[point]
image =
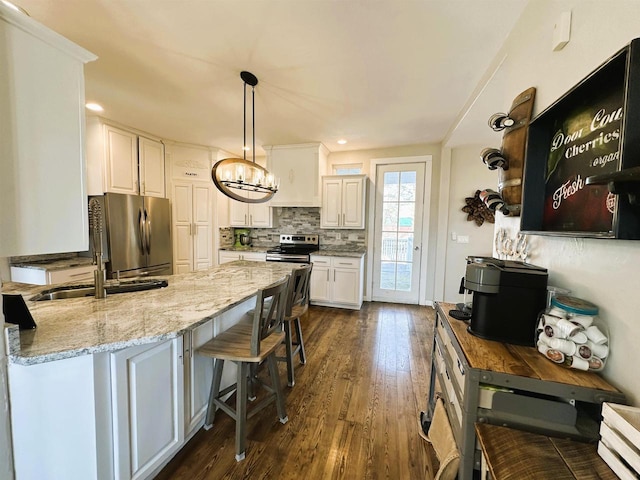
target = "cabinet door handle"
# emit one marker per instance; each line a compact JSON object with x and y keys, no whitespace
{"x":327,"y":275}
{"x":250,"y":219}
{"x":334,"y":275}
{"x":343,"y":219}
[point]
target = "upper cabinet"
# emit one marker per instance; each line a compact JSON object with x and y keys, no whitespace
{"x":257,"y":215}
{"x":121,"y":161}
{"x":299,"y":169}
{"x":42,"y":166}
{"x":343,"y":201}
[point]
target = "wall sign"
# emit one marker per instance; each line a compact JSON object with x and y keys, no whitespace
{"x":584,"y":143}
{"x":592,"y":130}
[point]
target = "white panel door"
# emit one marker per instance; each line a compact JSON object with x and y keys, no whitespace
{"x":319,"y":284}
{"x":151,"y":158}
{"x":182,"y":227}
{"x":147,"y":393}
{"x":238,"y":214}
{"x":121,"y":169}
{"x":346,"y":283}
{"x":203,"y":229}
{"x":352,"y":202}
{"x":331,"y":202}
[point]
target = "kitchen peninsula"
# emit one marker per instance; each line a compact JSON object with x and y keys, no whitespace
{"x":110,"y":388}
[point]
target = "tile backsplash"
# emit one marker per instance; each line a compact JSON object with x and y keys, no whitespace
{"x":301,"y":220}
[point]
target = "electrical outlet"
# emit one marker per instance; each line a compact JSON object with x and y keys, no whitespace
{"x":463,"y":238}
{"x":338,"y":236}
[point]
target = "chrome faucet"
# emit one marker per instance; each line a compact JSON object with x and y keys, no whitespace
{"x":95,"y":225}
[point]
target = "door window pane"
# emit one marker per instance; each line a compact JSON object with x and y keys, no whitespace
{"x":403,"y":276}
{"x":406,"y":216}
{"x":405,"y":247}
{"x":388,"y":275}
{"x":389,"y":246}
{"x":408,"y":186}
{"x":391,"y":186}
{"x":390,"y":217}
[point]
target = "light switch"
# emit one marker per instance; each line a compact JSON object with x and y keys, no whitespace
{"x":454,"y":236}
{"x":562,"y":31}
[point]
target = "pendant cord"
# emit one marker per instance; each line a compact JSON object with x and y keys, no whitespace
{"x":244,"y":124}
{"x":253,"y":121}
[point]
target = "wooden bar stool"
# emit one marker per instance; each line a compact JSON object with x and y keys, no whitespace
{"x":249,"y":342}
{"x":297,"y":305}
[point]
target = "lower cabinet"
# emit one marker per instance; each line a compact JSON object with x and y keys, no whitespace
{"x":226,"y":256}
{"x":114,"y":415}
{"x":147,"y":387}
{"x":337,"y":281}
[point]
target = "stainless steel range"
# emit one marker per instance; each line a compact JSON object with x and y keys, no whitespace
{"x":294,"y":248}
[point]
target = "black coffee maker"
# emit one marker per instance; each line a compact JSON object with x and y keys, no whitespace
{"x":508,"y":296}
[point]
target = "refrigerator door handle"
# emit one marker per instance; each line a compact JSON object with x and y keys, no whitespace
{"x":147,"y":221}
{"x":141,"y":231}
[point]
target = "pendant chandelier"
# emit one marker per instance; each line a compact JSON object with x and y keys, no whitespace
{"x":239,"y":178}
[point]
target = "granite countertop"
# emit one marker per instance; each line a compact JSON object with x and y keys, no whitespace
{"x":246,"y":249}
{"x":51,"y":265}
{"x":78,"y":326}
{"x":339,"y":252}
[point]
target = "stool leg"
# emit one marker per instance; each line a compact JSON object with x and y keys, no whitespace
{"x":303,"y":355}
{"x":288,"y":341}
{"x":253,"y":372}
{"x":213,"y":393}
{"x":241,"y":410}
{"x":275,"y":381}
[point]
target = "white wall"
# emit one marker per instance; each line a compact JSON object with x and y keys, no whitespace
{"x":602,"y":271}
{"x":468,"y":174}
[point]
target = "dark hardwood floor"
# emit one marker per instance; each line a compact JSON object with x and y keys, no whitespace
{"x":353,"y":412}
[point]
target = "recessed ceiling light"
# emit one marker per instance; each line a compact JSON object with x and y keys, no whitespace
{"x":94,"y":107}
{"x":342,"y":141}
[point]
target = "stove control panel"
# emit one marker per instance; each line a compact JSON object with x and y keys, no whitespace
{"x":298,"y":239}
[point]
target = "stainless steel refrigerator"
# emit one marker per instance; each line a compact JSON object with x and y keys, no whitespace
{"x":136,"y":235}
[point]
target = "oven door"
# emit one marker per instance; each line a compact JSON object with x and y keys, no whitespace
{"x":288,"y":257}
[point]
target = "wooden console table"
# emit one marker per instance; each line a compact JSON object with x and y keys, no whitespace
{"x":483,"y":381}
{"x":517,"y":455}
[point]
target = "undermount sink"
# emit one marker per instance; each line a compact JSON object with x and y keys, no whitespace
{"x":78,"y":291}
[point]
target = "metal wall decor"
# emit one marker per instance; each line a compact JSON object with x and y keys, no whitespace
{"x":239,"y":178}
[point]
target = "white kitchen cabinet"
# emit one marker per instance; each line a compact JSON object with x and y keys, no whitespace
{"x":151,"y":167}
{"x":37,"y":276}
{"x":121,"y":161}
{"x":42,"y":166}
{"x":337,"y":281}
{"x":147,"y":405}
{"x":299,"y":169}
{"x":343,"y":201}
{"x":257,"y":215}
{"x":226,"y":256}
{"x":192,"y":226}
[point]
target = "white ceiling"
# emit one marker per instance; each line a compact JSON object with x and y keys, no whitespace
{"x":379,"y":73}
